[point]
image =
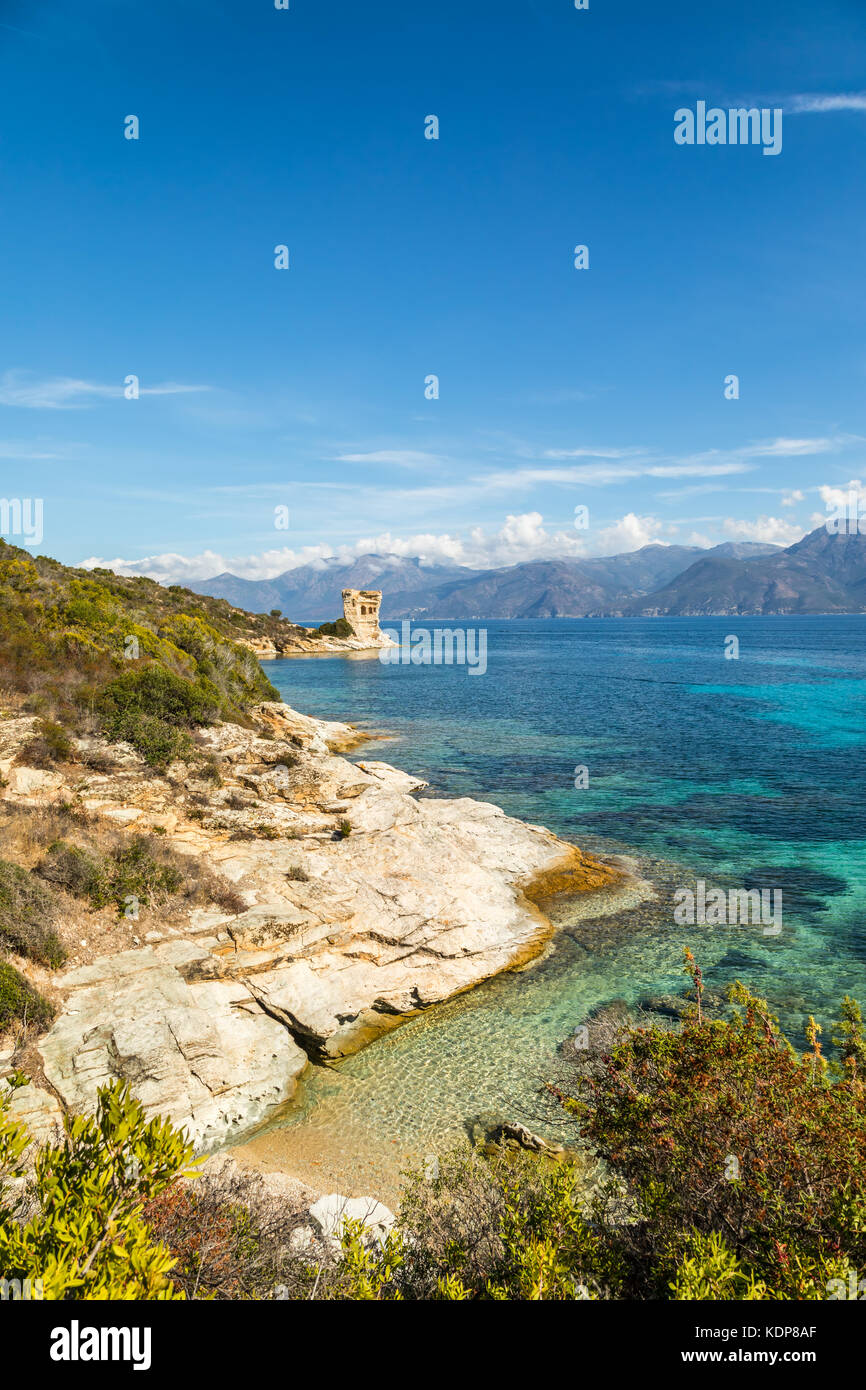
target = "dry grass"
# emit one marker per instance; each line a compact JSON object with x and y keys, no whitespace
{"x":28,"y":833}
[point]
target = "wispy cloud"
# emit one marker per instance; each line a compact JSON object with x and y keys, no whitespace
{"x":15,"y":449}
{"x":402,"y":458}
{"x":73,"y":393}
{"x":809,"y":102}
{"x":797,"y":448}
{"x":591,"y":453}
{"x":603,"y":475}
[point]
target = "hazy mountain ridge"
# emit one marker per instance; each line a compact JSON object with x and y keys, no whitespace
{"x":822,"y":573}
{"x":537,"y":588}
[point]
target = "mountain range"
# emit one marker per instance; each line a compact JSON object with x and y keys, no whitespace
{"x":822,"y":573}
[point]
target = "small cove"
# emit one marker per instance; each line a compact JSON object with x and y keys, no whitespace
{"x":738,"y":772}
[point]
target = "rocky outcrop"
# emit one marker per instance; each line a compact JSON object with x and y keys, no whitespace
{"x":194,"y":1047}
{"x":36,"y":1108}
{"x":361,"y":904}
{"x":310,"y":642}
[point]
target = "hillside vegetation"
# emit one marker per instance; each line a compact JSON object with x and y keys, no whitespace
{"x":93,"y":652}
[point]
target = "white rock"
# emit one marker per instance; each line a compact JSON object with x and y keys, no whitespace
{"x":330,"y":1213}
{"x":202,"y":1053}
{"x":37,"y":1109}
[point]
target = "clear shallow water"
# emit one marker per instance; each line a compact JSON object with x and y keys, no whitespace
{"x":743,"y":772}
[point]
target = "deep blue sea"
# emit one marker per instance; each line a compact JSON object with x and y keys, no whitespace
{"x":743,"y":772}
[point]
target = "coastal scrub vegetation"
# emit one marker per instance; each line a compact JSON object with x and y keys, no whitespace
{"x":73,"y":852}
{"x":20,"y":1002}
{"x":734,"y":1169}
{"x":719,"y":1163}
{"x":95,"y":652}
{"x":28,"y":917}
{"x":340,"y":628}
{"x":77,"y":1230}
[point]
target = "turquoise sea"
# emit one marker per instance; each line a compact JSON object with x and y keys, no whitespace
{"x":742,"y":772}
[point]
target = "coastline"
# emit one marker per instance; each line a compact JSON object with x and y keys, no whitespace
{"x":342,"y":937}
{"x":355,"y":1126}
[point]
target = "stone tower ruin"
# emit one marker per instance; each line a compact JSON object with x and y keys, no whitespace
{"x":361,"y":609}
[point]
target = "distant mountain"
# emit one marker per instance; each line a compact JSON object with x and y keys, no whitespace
{"x":312,"y":593}
{"x":822,"y":573}
{"x":536,"y":589}
{"x":561,"y":588}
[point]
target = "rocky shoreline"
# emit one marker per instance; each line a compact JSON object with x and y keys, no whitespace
{"x":310,"y":642}
{"x":361,"y":903}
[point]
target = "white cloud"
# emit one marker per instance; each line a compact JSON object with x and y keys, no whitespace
{"x":630,"y":533}
{"x":789,"y":498}
{"x":838,"y":496}
{"x":521,"y":537}
{"x":170,"y":568}
{"x":773,"y":529}
{"x":847,"y":501}
{"x":796,"y":448}
{"x":72,"y":393}
{"x":601,"y":475}
{"x":622,"y":465}
{"x":805,"y":102}
{"x":591,"y":453}
{"x":403,"y":458}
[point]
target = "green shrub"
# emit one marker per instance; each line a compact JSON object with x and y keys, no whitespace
{"x":19,"y":1001}
{"x":87,"y":1238}
{"x":507,"y":1227}
{"x":154,"y":709}
{"x":734,"y":1168}
{"x":720,"y":1132}
{"x":158,"y":742}
{"x":51,"y":744}
{"x":341,"y":628}
{"x":131,"y":871}
{"x":160,"y":693}
{"x":80,"y":873}
{"x":28,"y":913}
{"x":138,"y":873}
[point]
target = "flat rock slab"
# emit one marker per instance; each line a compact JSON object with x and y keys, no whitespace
{"x":204,"y":1053}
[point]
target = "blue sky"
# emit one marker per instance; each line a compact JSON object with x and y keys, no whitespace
{"x":305,"y":388}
